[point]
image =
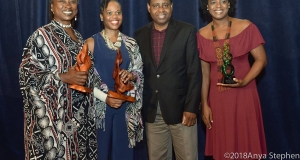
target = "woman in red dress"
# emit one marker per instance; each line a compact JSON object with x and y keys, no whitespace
{"x":231,"y":112}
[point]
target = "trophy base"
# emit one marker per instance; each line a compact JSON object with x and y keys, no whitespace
{"x":229,"y":80}
{"x":120,"y":96}
{"x":80,"y":88}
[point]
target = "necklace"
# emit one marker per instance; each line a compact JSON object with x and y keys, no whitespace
{"x":224,"y":56}
{"x":113,"y":46}
{"x":63,"y":25}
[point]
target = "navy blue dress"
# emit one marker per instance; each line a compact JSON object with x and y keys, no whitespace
{"x":113,"y":142}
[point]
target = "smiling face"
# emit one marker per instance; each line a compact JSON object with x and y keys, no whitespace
{"x":218,"y":8}
{"x":112,"y":16}
{"x":64,"y":10}
{"x":161,"y":12}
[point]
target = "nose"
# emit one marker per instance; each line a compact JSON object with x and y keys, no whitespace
{"x":161,"y":9}
{"x":218,"y":4}
{"x":114,"y":15}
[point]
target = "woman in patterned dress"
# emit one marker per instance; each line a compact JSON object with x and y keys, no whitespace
{"x":119,"y":123}
{"x":231,"y":112}
{"x":56,"y":120}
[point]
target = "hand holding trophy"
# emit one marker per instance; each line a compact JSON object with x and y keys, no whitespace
{"x":119,"y":86}
{"x":84,"y":63}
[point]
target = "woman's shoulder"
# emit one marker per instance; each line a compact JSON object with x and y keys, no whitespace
{"x":91,"y":42}
{"x":39,"y":30}
{"x":205,"y":31}
{"x":239,"y":25}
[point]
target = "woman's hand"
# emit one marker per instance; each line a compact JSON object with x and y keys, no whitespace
{"x":126,"y":76}
{"x":239,"y":83}
{"x":74,"y":77}
{"x":260,"y":60}
{"x":207,"y":116}
{"x":114,"y":103}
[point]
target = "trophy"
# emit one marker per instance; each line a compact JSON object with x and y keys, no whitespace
{"x":227,"y":68}
{"x":119,"y":86}
{"x":84,"y":63}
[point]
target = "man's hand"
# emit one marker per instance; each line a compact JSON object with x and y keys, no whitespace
{"x":189,"y":119}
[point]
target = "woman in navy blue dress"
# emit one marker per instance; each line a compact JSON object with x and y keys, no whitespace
{"x":119,"y":122}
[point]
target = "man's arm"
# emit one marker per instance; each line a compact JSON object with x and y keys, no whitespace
{"x":194,"y":74}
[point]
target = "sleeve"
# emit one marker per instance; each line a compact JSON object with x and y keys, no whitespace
{"x":255,"y":37}
{"x":198,"y":44}
{"x":100,"y":94}
{"x":194,"y":74}
{"x":38,"y":69}
{"x":136,"y":67}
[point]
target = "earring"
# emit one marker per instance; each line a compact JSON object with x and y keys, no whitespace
{"x":207,"y":9}
{"x":228,"y":6}
{"x":75,"y":18}
{"x":101,"y":20}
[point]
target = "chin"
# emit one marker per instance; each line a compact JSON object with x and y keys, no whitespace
{"x":162,"y":22}
{"x":114,"y":28}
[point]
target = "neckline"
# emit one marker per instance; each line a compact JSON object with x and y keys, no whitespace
{"x":66,"y":33}
{"x":112,"y":45}
{"x":223,"y":39}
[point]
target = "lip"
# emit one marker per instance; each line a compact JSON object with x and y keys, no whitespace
{"x":67,"y":12}
{"x":218,"y":11}
{"x":161,"y":16}
{"x":114,"y":22}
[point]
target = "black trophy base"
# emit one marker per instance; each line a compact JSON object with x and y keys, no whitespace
{"x":229,"y":80}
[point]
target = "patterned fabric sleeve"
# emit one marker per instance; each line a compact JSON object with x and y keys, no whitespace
{"x":133,"y":110}
{"x":39,"y":84}
{"x":37,"y":70}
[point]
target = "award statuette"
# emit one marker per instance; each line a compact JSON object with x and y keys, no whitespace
{"x":84,"y":63}
{"x":227,"y":68}
{"x":119,"y":86}
{"x":224,"y":58}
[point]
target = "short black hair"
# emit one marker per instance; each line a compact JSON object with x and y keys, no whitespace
{"x":204,"y":3}
{"x":104,"y":5}
{"x":149,"y":1}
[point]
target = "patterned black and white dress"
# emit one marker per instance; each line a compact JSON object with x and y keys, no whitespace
{"x":58,"y":121}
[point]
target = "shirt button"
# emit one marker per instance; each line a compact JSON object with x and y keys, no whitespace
{"x":158,"y":76}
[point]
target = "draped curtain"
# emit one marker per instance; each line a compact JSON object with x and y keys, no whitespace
{"x":278,"y":84}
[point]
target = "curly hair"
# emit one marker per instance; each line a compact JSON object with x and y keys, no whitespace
{"x":204,"y":3}
{"x":104,"y":5}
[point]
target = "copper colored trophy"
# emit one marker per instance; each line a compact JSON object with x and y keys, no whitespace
{"x":119,"y":86}
{"x":84,"y":63}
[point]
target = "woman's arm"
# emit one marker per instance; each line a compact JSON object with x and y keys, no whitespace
{"x":91,"y":43}
{"x":206,"y":111}
{"x":260,"y":61}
